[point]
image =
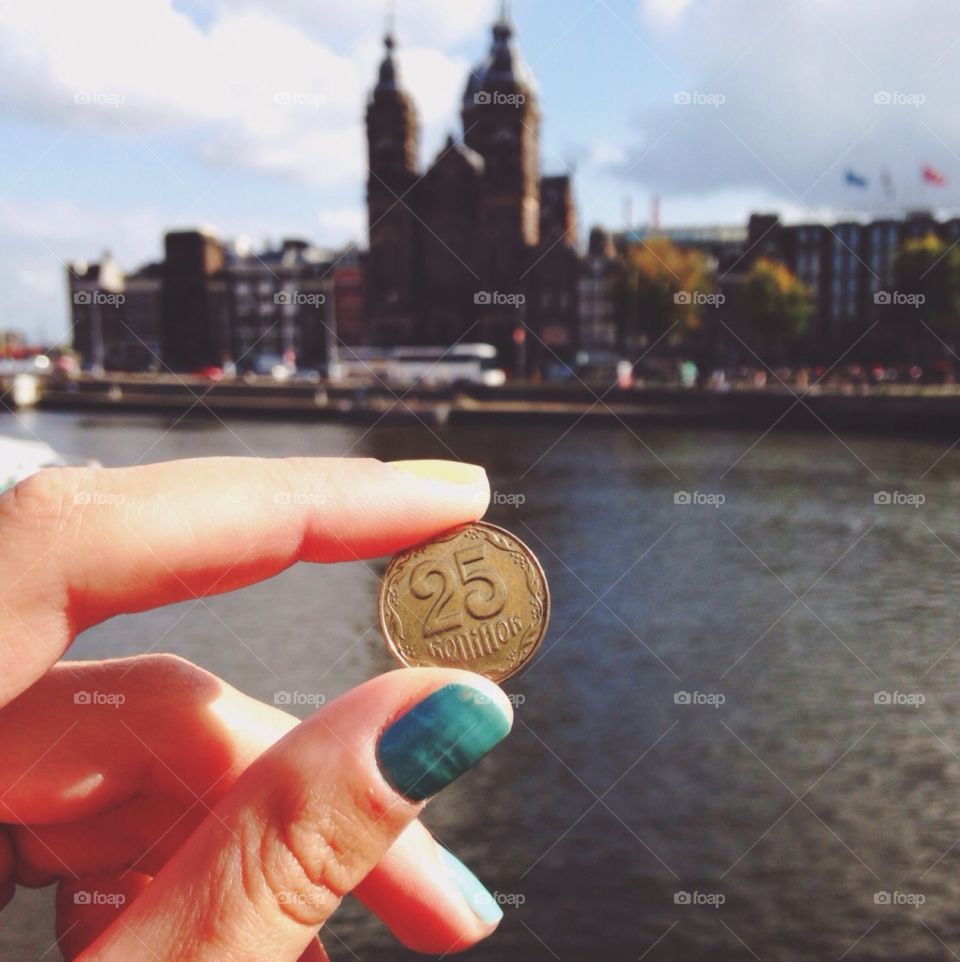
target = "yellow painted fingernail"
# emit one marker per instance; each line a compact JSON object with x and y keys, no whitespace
{"x":452,"y":472}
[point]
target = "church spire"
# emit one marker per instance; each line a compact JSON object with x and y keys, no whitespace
{"x":391,"y":21}
{"x":388,"y":68}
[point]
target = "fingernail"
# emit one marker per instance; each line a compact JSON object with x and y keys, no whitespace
{"x":438,"y":739}
{"x":452,"y":472}
{"x":481,"y":902}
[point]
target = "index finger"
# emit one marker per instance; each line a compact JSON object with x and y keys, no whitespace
{"x":80,"y":545}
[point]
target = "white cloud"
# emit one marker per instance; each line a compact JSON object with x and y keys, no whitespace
{"x":343,"y":224}
{"x":798,"y":86}
{"x":436,"y":23}
{"x":663,"y":13}
{"x":252,"y":90}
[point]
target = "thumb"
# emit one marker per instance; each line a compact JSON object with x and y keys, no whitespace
{"x":309,"y":819}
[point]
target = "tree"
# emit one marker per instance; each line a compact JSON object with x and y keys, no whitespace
{"x":661,"y":289}
{"x":925,"y":306}
{"x":773,"y":309}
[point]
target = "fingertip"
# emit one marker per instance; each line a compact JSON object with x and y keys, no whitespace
{"x":467,"y":484}
{"x":478,"y":898}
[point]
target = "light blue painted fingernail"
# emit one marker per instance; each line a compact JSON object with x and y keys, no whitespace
{"x":482,"y":903}
{"x":438,"y":739}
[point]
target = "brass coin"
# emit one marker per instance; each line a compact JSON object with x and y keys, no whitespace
{"x":474,"y":597}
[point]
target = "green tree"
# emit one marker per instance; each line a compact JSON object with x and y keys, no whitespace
{"x":773,"y":310}
{"x":660,"y":284}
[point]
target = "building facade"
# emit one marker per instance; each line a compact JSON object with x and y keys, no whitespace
{"x":849,"y":268}
{"x":213,"y":303}
{"x":116,"y":320}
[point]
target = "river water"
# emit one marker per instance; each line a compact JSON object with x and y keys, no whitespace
{"x":741,"y":737}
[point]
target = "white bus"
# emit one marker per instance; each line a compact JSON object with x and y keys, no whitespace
{"x":429,"y":366}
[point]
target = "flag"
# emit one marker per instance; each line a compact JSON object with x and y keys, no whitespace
{"x":933,"y":176}
{"x":853,"y":179}
{"x":889,"y":188}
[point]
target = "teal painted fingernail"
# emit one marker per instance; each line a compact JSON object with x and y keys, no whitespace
{"x":483,"y":904}
{"x":438,"y":739}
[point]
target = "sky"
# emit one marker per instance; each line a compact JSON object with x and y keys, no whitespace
{"x":122,"y":118}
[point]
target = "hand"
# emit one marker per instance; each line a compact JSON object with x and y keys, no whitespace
{"x":181,"y":819}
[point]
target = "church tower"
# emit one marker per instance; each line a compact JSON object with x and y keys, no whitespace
{"x":501,"y":122}
{"x":392,"y":140}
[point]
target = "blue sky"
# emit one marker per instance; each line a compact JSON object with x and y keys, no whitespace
{"x":120,"y":118}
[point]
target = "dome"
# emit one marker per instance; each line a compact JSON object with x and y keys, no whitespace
{"x":503,"y":69}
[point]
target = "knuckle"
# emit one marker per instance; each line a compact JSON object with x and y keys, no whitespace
{"x":165,"y":670}
{"x":316,"y":845}
{"x":46,"y":497}
{"x":287,"y":872}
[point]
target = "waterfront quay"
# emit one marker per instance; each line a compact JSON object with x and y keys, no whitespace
{"x":891,"y":409}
